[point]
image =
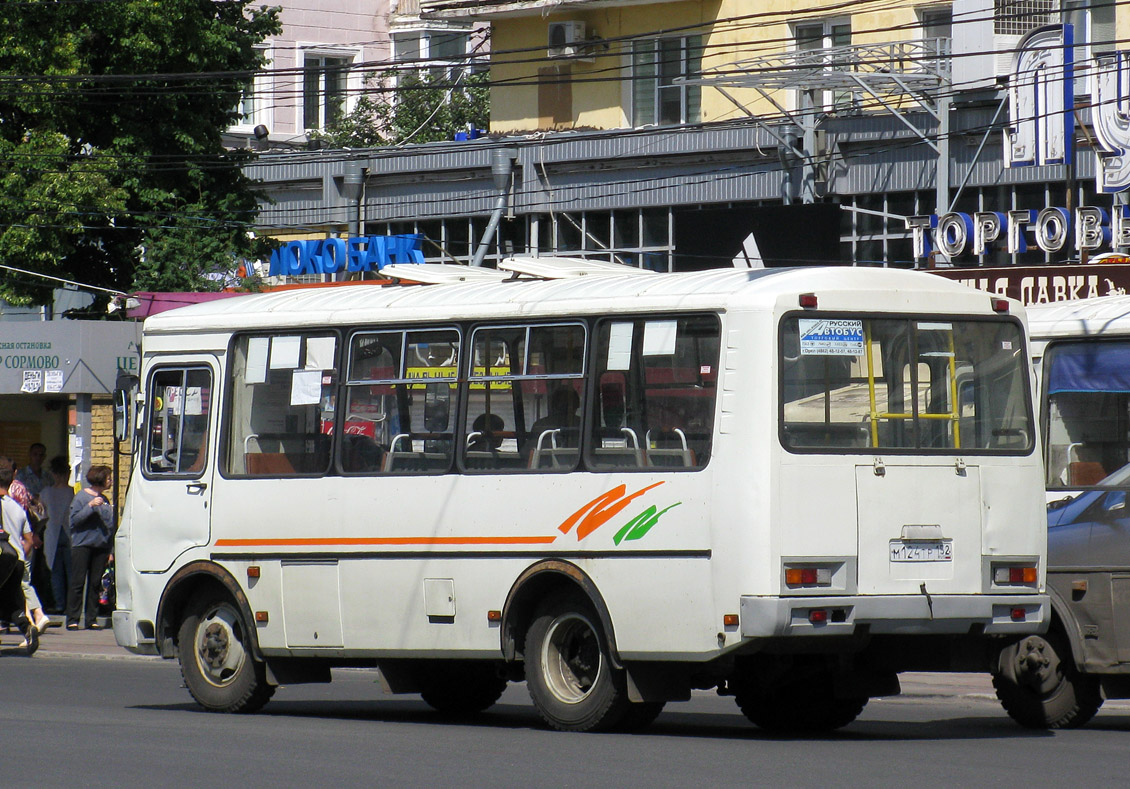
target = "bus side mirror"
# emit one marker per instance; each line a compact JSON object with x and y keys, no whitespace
{"x":125,"y":396}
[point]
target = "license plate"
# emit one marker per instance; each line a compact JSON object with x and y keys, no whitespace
{"x":934,"y":551}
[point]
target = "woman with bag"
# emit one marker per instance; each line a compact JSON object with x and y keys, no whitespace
{"x":92,"y":530}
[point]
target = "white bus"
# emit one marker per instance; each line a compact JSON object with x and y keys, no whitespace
{"x":788,"y":485}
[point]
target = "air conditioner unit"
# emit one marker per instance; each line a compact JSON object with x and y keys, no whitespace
{"x":566,"y":39}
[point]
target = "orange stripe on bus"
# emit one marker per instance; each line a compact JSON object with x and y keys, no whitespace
{"x":340,"y":541}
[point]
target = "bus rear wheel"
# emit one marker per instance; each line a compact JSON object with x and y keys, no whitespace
{"x":214,"y":648}
{"x":1040,"y":688}
{"x":803,"y":707}
{"x":569,"y":673}
{"x":456,"y":687}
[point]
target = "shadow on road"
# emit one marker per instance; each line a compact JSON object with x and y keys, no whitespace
{"x":671,"y":723}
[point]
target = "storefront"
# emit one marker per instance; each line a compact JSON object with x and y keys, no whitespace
{"x":56,"y":386}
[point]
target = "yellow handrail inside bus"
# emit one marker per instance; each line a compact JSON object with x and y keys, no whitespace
{"x":875,"y":415}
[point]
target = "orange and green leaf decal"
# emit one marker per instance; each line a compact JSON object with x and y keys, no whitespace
{"x":607,"y":506}
{"x":600,"y":510}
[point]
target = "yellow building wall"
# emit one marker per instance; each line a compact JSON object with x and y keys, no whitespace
{"x":732,"y":30}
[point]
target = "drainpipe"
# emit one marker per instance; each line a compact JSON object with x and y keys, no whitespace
{"x":352,"y":184}
{"x":501,"y":168}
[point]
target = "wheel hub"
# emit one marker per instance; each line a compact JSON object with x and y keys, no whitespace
{"x":219,"y":649}
{"x":1037,"y":665}
{"x":571,"y":657}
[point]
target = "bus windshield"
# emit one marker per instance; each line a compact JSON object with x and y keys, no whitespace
{"x":1088,"y":402}
{"x":943,"y":386}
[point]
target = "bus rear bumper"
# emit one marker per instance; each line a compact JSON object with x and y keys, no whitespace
{"x":893,"y":614}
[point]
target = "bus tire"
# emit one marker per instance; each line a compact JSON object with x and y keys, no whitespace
{"x":639,"y":716}
{"x":569,"y":673}
{"x":461,"y":688}
{"x":797,"y":707}
{"x":1040,"y":688}
{"x":215,"y":657}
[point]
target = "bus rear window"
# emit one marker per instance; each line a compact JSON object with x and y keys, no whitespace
{"x":944,"y":386}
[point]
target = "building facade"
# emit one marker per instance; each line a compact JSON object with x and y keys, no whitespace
{"x":679,"y":135}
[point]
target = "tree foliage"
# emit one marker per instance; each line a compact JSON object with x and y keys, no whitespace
{"x":112,"y":169}
{"x":415,"y":106}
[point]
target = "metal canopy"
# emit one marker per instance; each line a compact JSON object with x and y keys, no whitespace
{"x":897,"y":67}
{"x":919,"y":70}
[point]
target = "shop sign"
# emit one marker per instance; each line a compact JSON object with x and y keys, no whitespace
{"x":1051,"y":229}
{"x":331,"y":255}
{"x":1041,"y":94}
{"x":1045,"y":284}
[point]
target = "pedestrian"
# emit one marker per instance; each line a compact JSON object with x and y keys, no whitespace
{"x":20,"y":537}
{"x":12,"y":602}
{"x":33,"y":476}
{"x":57,"y":538}
{"x":91,"y":521}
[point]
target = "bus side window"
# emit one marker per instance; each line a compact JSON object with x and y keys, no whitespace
{"x":179,"y":405}
{"x":656,"y":393}
{"x":524,"y":398}
{"x":282,"y":407}
{"x":399,"y":408}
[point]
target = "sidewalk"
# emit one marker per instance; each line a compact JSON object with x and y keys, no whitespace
{"x":59,"y":642}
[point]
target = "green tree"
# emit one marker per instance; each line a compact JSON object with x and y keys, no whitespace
{"x":112,"y":169}
{"x":415,"y":106}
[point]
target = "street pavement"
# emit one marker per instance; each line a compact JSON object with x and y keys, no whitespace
{"x":58,"y":642}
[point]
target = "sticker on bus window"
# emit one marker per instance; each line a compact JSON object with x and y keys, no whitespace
{"x":659,"y":338}
{"x":285,"y":352}
{"x":257,"y":348}
{"x":825,"y":337}
{"x":620,"y":346}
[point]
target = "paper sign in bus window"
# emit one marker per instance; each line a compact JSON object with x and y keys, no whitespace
{"x":659,"y":338}
{"x":829,"y":337}
{"x":320,"y":353}
{"x":257,"y":348}
{"x":285,"y":352}
{"x":620,"y":346}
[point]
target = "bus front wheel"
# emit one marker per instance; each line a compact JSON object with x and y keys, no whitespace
{"x":215,"y":658}
{"x":1040,"y":688}
{"x":569,"y":674}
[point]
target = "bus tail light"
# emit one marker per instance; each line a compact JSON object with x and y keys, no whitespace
{"x":1019,"y":614}
{"x":1015,"y":575}
{"x":796,"y":577}
{"x":808,"y":300}
{"x":1000,"y":305}
{"x":818,"y":616}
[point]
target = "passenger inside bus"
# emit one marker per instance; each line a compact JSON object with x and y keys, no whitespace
{"x":486,"y":433}
{"x":558,"y":429}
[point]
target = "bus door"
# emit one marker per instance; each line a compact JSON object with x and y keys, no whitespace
{"x":919,"y":528}
{"x":176,"y":464}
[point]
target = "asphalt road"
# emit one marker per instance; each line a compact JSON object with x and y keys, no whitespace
{"x":106,"y":722}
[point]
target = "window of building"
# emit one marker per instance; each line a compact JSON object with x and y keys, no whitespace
{"x":1018,"y":17}
{"x":657,"y":99}
{"x":821,"y":39}
{"x":282,"y":405}
{"x":177,"y":428}
{"x":524,"y":398}
{"x":655,"y":391}
{"x":323,"y":90}
{"x":399,"y":407}
{"x":1093,"y":24}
